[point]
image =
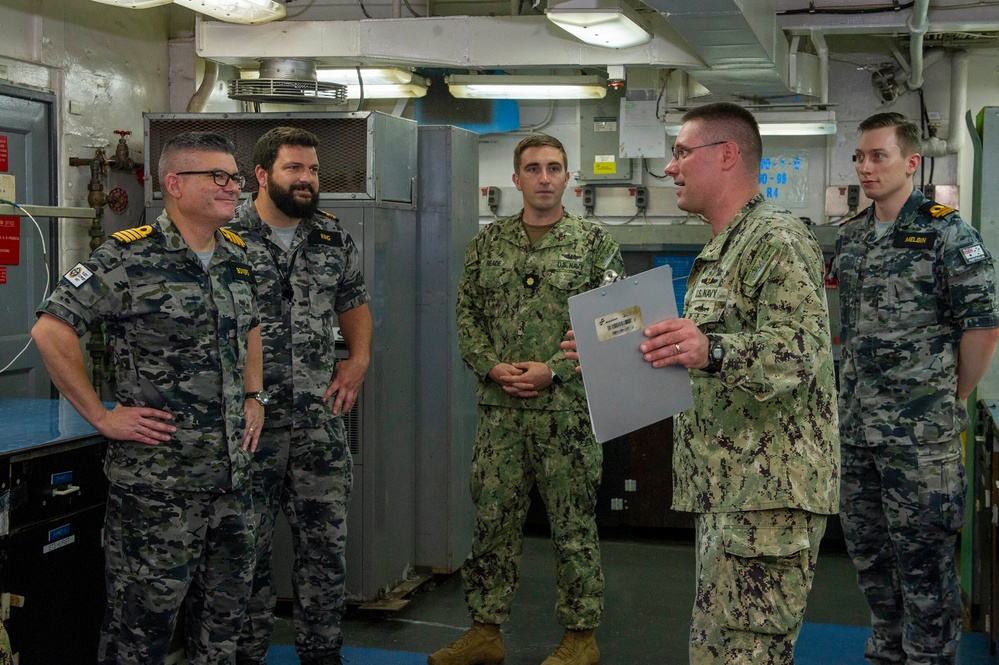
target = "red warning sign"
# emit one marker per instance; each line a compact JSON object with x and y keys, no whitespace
{"x":10,"y":240}
{"x":4,"y":164}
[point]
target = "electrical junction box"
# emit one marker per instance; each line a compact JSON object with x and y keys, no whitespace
{"x":600,"y":140}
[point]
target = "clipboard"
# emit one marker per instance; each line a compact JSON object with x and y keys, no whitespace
{"x":623,"y":391}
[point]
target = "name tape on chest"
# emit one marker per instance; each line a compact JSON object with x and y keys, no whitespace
{"x":331,"y":238}
{"x":913,"y":240}
{"x":78,"y":275}
{"x":973,"y":253}
{"x":241,"y":272}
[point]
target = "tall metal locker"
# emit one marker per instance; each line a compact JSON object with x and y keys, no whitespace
{"x":367,"y":179}
{"x":448,"y":218}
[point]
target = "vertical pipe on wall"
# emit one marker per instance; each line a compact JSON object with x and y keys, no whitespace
{"x":936,"y":147}
{"x":822,"y":49}
{"x":917,"y":27}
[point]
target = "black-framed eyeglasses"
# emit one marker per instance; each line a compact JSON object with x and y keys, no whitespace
{"x":220,"y":177}
{"x":679,"y":154}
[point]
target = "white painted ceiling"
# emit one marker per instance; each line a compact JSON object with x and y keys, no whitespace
{"x":744,"y":48}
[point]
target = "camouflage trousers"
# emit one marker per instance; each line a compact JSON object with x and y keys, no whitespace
{"x":307,"y":474}
{"x":514,"y":448}
{"x":754,"y":572}
{"x":901,"y":508}
{"x":165,"y":549}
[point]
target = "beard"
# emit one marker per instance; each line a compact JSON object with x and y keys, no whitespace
{"x":285,"y":201}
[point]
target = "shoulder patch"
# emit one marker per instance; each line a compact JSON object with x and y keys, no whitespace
{"x":233,"y":237}
{"x":326,"y":214}
{"x":973,"y":253}
{"x":131,"y":235}
{"x":78,"y":275}
{"x":934,"y":209}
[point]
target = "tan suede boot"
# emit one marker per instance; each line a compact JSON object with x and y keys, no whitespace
{"x":578,"y":647}
{"x":481,"y":645}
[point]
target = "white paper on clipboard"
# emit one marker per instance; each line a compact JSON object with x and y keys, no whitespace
{"x":623,"y":391}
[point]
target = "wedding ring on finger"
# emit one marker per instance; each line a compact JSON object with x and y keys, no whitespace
{"x":677,"y":346}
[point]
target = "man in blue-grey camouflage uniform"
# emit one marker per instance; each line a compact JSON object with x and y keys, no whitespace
{"x":309,"y":280}
{"x":533,"y":424}
{"x":757,"y":457}
{"x":177,"y":298}
{"x":919,"y":327}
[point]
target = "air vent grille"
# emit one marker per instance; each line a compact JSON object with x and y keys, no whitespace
{"x":287,"y":91}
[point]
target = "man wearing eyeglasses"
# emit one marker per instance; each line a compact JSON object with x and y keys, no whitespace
{"x":757,"y":457}
{"x":309,"y":279}
{"x":177,"y":298}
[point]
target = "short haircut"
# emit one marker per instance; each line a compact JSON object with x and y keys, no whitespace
{"x":538,"y":141}
{"x":266,"y":151}
{"x":906,"y":131}
{"x":192,"y":142}
{"x":725,"y":121}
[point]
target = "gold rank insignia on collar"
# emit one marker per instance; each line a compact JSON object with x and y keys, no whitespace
{"x":233,"y":237}
{"x":131,"y":235}
{"x":531,"y":280}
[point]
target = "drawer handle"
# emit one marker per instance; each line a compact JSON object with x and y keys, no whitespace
{"x":69,"y":490}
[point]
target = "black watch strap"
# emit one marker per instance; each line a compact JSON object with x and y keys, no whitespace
{"x":716,"y":354}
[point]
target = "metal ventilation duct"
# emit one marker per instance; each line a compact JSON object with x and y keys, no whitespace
{"x":739,"y":40}
{"x":287,"y":82}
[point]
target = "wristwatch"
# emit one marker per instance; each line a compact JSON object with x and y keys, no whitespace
{"x":261,"y":396}
{"x":716,"y":354}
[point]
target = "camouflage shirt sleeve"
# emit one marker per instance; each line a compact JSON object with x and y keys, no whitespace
{"x":970,"y":277}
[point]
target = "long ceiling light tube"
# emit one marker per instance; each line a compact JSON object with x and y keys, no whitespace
{"x":776,"y":123}
{"x":499,"y":86}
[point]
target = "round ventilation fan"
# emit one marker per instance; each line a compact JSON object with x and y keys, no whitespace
{"x":287,"y":81}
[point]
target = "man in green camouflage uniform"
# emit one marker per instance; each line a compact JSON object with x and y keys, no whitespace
{"x":178,"y":300}
{"x":757,"y":458}
{"x":308,"y":274}
{"x":533,"y":424}
{"x":919,"y":314}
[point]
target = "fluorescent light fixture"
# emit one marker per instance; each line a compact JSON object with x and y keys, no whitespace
{"x":776,"y":123}
{"x":370,"y":75}
{"x":387,"y":90}
{"x":135,"y":4}
{"x":379,"y":83}
{"x":600,"y":23}
{"x":500,"y":86}
{"x":238,"y":11}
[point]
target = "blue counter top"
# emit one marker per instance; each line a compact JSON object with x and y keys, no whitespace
{"x":27,"y":423}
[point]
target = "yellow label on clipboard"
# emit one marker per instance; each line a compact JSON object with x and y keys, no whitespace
{"x":619,"y":323}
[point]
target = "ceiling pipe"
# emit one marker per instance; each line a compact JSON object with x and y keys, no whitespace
{"x":936,"y":147}
{"x":822,"y":49}
{"x":918,"y":24}
{"x":200,"y":97}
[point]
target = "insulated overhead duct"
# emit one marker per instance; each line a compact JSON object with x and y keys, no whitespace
{"x":287,"y":82}
{"x":745,"y":51}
